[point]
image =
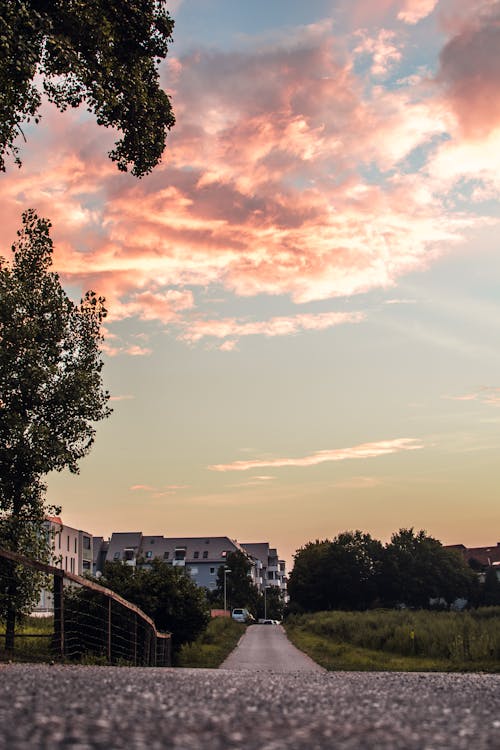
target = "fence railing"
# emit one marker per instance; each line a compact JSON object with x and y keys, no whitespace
{"x":90,"y":622}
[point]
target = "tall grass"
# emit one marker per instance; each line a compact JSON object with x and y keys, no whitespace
{"x":401,"y":639}
{"x":212,"y":647}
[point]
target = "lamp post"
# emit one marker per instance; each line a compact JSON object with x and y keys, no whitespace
{"x":226,"y":571}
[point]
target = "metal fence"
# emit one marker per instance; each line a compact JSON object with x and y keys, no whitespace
{"x":89,"y":623}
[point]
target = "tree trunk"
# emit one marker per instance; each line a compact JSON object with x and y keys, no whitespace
{"x":10,"y":623}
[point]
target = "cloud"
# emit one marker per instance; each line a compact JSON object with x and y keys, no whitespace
{"x":415,"y":10}
{"x":470,"y":72}
{"x":488,"y":395}
{"x":383,"y":48}
{"x":157,"y":492}
{"x":267,"y":185}
{"x":232,"y":328}
{"x":365,"y":450}
{"x":124,"y":397}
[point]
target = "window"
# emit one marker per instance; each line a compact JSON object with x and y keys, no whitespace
{"x":223,"y":553}
{"x":205,"y":554}
{"x":149,"y":554}
{"x":270,"y":575}
{"x":86,"y":542}
{"x":86,"y":564}
{"x":128,"y":554}
{"x":180,"y":553}
{"x":75,"y":544}
{"x":196,"y":555}
{"x":67,"y":543}
{"x":116,"y":556}
{"x":152,"y":541}
{"x":165,"y":555}
{"x":212,"y":571}
{"x":72,"y":564}
{"x":59,"y":540}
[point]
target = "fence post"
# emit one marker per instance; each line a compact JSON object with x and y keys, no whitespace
{"x":135,"y":639}
{"x":108,"y":650}
{"x":59,"y":614}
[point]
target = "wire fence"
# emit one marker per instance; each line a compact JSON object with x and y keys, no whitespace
{"x":89,"y":623}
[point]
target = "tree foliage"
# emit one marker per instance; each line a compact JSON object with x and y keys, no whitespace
{"x":240,"y":591}
{"x":165,"y":593}
{"x":104,"y":53}
{"x":355,"y":572}
{"x":337,"y":574}
{"x":51,"y":391}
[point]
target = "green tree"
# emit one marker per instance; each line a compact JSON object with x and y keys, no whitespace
{"x":164,"y":592}
{"x":240,"y":591}
{"x":51,"y":391}
{"x":338,"y":574}
{"x":417,"y":568}
{"x":271,"y":604}
{"x":104,"y":53}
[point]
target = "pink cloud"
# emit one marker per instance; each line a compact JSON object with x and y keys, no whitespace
{"x":366,"y":450}
{"x":413,"y":11}
{"x":383,"y":48}
{"x":486,"y":395}
{"x":470,"y":71}
{"x":280,"y":326}
{"x":263,"y":189}
{"x":124,"y":397}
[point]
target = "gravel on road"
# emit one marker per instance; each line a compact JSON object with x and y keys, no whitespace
{"x":108,"y":708}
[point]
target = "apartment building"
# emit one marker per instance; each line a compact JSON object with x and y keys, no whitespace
{"x":271,"y":570}
{"x":71,"y":550}
{"x":201,"y":556}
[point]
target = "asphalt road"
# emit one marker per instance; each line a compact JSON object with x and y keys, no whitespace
{"x":103,"y":708}
{"x":266,"y":647}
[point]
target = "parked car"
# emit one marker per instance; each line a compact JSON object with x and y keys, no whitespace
{"x":240,"y":614}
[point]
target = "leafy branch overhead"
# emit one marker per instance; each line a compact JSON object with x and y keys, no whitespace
{"x":104,"y":53}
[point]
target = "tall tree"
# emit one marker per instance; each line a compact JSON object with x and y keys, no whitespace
{"x":338,"y":574}
{"x":104,"y":53}
{"x":417,"y":568}
{"x":51,"y":391}
{"x":240,"y":591}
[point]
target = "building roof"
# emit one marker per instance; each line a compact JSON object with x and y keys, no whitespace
{"x":483,"y":555}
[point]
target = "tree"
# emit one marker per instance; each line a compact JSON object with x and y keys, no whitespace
{"x":164,"y":592}
{"x":417,"y":568}
{"x":51,"y":391}
{"x":240,"y":591}
{"x":104,"y":53}
{"x":338,"y":574}
{"x":271,"y":604}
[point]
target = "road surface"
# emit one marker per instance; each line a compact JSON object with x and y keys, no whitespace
{"x":266,"y":647}
{"x":110,"y":708}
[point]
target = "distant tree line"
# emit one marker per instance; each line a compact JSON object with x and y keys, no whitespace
{"x":353,"y":571}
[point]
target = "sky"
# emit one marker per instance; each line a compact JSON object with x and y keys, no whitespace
{"x":303,"y":297}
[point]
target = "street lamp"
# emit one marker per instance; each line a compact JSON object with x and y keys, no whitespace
{"x":265,"y":602}
{"x":226,"y":571}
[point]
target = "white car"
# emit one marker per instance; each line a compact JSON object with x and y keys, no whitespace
{"x":241,"y":615}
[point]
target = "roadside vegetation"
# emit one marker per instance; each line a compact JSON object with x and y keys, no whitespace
{"x":213,"y":646}
{"x":400,"y":640}
{"x":36,"y":646}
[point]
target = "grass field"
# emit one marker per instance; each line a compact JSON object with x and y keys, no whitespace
{"x":211,"y":648}
{"x":27,"y":646}
{"x":400,"y":640}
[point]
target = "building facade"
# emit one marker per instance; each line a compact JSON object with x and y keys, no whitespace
{"x":200,"y":556}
